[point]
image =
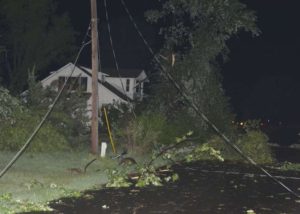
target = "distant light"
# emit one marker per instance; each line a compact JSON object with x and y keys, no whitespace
{"x":241,"y":123}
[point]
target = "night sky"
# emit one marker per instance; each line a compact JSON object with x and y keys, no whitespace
{"x":262,"y":76}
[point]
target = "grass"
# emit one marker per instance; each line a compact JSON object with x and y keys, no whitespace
{"x":38,"y":178}
{"x":288,"y":166}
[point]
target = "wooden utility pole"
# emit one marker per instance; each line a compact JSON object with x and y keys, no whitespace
{"x":95,"y":69}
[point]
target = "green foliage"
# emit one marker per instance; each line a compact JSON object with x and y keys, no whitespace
{"x":227,"y":152}
{"x":117,"y":179}
{"x":9,"y":206}
{"x":69,"y":116}
{"x":141,"y":133}
{"x":178,"y":125}
{"x":250,"y":211}
{"x":255,"y":145}
{"x":66,"y":126}
{"x":218,"y":19}
{"x":252,"y":125}
{"x":38,"y":178}
{"x":290,"y":166}
{"x":148,"y":177}
{"x":35,"y":34}
{"x":10,"y":106}
{"x":150,"y":130}
{"x":184,"y":137}
{"x":195,"y":36}
{"x":204,"y":151}
{"x":14,"y":135}
{"x":174,"y":152}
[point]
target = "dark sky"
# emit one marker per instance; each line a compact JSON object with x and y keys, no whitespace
{"x":263,"y":74}
{"x":129,"y":48}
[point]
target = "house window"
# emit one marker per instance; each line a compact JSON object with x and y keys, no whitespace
{"x":74,"y":83}
{"x":137,"y":87}
{"x":83,"y":83}
{"x":61,"y":81}
{"x":127,"y":85}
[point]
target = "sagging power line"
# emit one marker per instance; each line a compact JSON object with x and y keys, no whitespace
{"x":198,"y":111}
{"x":50,"y":109}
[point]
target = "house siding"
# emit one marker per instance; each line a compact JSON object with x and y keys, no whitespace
{"x":117,"y":83}
{"x":106,"y":94}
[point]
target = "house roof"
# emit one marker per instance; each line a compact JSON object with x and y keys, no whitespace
{"x":116,"y":91}
{"x":109,"y":87}
{"x":130,"y":73}
{"x":52,"y":73}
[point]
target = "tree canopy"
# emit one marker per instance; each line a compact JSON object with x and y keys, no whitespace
{"x":195,"y":33}
{"x":34,"y":34}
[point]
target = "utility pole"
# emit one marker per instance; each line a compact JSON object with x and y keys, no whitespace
{"x":95,"y":69}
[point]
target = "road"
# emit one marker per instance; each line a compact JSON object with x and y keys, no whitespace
{"x":203,"y":187}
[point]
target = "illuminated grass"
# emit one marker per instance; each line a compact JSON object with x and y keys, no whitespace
{"x":38,"y":178}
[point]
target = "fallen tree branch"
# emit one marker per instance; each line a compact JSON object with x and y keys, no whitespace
{"x":164,"y":150}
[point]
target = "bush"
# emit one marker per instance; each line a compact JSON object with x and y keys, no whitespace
{"x":253,"y":144}
{"x":69,"y":115}
{"x":178,"y":126}
{"x":227,"y":152}
{"x":142,"y":133}
{"x":14,"y":135}
{"x":204,"y":151}
{"x":74,"y":130}
{"x":150,"y":130}
{"x":9,"y":106}
{"x":65,"y":127}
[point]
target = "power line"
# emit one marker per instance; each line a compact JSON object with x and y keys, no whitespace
{"x":199,"y":112}
{"x":114,"y":56}
{"x":45,"y":117}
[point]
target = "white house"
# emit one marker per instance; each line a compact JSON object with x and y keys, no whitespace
{"x":113,"y":87}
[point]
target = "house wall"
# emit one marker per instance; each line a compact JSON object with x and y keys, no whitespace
{"x":64,"y":71}
{"x":116,"y":82}
{"x":140,"y":80}
{"x":105,"y":95}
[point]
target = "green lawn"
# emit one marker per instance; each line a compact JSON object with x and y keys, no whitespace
{"x":38,"y":178}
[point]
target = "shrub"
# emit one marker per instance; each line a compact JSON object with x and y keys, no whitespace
{"x":204,"y":151}
{"x":14,"y":135}
{"x":252,"y":143}
{"x":142,"y":133}
{"x":227,"y":152}
{"x":255,"y":145}
{"x":66,"y":126}
{"x":69,"y":115}
{"x":9,"y":106}
{"x":290,"y":166}
{"x":178,"y":126}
